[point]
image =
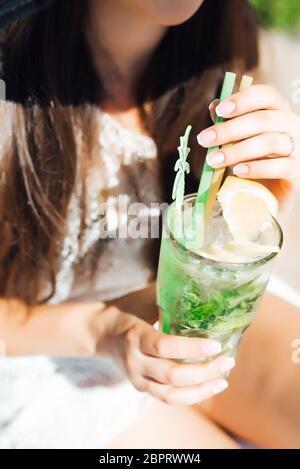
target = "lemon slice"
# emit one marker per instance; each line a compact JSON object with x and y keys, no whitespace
{"x":250,"y":249}
{"x":237,"y":252}
{"x":219,"y":253}
{"x":246,"y":205}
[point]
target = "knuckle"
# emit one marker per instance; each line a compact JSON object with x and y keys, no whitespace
{"x":269,"y":92}
{"x":249,"y":147}
{"x":172,"y":376}
{"x":159,"y":345}
{"x":112,"y":309}
{"x":130,"y":361}
{"x":268,"y":117}
{"x":169,"y":398}
{"x":131,"y":336}
{"x":271,"y":143}
{"x":223,"y":130}
{"x":139,"y":385}
{"x":142,"y":386}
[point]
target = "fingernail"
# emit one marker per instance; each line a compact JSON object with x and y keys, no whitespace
{"x":241,"y":170}
{"x":226,"y":108}
{"x":220,"y":386}
{"x":227,"y":365}
{"x":206,"y":137}
{"x":211,"y":348}
{"x":215,"y":159}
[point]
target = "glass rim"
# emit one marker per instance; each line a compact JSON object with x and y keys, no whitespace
{"x":207,"y":260}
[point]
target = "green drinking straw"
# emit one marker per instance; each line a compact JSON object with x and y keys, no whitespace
{"x":208,"y":171}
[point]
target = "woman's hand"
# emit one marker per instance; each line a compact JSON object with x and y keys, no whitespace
{"x":148,"y":357}
{"x":93,"y":329}
{"x":265,"y":131}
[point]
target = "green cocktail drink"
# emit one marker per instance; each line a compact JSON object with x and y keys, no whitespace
{"x":207,"y":295}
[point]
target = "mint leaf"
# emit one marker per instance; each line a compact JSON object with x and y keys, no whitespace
{"x":223,"y":312}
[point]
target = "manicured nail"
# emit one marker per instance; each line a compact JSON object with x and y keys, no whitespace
{"x":220,"y":386}
{"x":225,"y":109}
{"x":227,"y":365}
{"x":241,"y":170}
{"x":216,"y":158}
{"x":211,"y":348}
{"x":206,"y":137}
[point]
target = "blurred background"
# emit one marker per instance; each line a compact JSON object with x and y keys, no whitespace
{"x":279,"y":14}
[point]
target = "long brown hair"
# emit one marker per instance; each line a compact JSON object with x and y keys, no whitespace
{"x":54,"y":91}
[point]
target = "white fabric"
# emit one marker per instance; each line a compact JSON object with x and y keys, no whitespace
{"x":63,"y":404}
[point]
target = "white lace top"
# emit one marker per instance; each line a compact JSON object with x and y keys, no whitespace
{"x":127,"y":174}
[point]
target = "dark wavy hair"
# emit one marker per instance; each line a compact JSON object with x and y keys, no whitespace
{"x":53,"y":91}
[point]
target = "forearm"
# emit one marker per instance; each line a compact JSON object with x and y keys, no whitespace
{"x":75,"y":329}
